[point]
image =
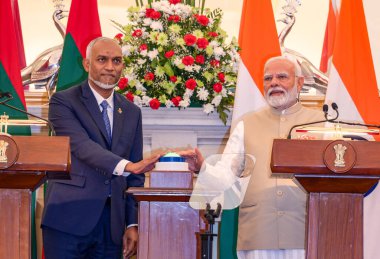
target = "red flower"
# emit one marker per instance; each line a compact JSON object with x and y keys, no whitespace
{"x":190,"y":39}
{"x":155,"y":15}
{"x":129,"y":96}
{"x":188,"y":60}
{"x":214,"y":63}
{"x":221,"y":77}
{"x":174,"y":1}
{"x":202,"y":43}
{"x":213,"y":34}
{"x":200,"y":59}
{"x":169,"y":54}
{"x":137,"y":33}
{"x":174,"y":18}
{"x":118,"y":36}
{"x":202,"y":20}
{"x":154,"y":104}
{"x":217,"y":87}
{"x":123,"y":82}
{"x":176,"y":100}
{"x":149,"y":76}
{"x":191,"y":84}
{"x":148,"y":12}
{"x":173,"y":79}
{"x":143,"y":47}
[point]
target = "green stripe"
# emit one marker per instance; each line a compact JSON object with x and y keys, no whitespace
{"x":71,"y":70}
{"x":6,"y":86}
{"x":228,"y":234}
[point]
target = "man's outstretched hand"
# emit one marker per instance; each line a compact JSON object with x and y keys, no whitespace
{"x":143,"y":166}
{"x":194,"y":157}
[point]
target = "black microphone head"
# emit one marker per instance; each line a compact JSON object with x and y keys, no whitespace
{"x":325,"y":108}
{"x":334,"y":106}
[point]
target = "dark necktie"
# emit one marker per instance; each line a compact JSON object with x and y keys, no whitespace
{"x":106,"y":120}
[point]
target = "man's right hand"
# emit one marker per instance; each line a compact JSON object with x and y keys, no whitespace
{"x":143,"y":166}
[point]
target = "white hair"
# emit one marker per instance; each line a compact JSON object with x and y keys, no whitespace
{"x":92,"y":43}
{"x":297,"y":67}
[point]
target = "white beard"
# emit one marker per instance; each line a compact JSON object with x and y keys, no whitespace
{"x":102,"y":85}
{"x":282,"y":101}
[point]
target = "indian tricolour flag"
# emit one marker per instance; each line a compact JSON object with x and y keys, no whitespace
{"x":258,"y":40}
{"x":82,"y":27}
{"x":353,"y":86}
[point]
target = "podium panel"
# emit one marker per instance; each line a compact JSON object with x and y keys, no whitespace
{"x":168,"y":226}
{"x":38,"y":159}
{"x":336,"y":175}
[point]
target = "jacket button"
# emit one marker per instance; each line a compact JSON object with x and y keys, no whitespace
{"x":107,"y":182}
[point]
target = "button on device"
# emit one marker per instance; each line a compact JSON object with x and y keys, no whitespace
{"x":280,"y":193}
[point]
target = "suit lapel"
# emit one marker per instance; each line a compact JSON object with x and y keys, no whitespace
{"x":119,"y":112}
{"x":93,"y":108}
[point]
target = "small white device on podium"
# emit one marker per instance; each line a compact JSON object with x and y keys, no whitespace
{"x":171,"y":162}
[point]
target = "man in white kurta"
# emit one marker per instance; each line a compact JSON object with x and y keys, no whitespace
{"x":272,"y":214}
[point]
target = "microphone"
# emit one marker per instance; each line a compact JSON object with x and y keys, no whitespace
{"x":10,"y":97}
{"x":325,"y":109}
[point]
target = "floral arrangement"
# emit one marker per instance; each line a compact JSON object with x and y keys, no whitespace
{"x":176,"y":56}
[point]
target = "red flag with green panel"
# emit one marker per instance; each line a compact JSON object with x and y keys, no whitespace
{"x":10,"y":74}
{"x":82,"y":27}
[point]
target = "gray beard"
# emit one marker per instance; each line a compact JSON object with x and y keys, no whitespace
{"x":283,"y":101}
{"x":102,"y":85}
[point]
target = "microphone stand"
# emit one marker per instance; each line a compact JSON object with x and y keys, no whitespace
{"x":207,"y":237}
{"x":52,"y":131}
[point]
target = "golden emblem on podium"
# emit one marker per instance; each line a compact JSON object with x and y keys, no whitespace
{"x":340,"y":149}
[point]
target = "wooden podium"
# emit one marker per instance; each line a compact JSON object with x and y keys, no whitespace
{"x":336,"y":174}
{"x":168,"y":226}
{"x":32,"y":160}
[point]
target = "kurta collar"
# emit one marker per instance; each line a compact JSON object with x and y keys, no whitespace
{"x":292,"y":109}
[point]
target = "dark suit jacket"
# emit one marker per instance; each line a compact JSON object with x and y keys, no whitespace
{"x":75,"y":206}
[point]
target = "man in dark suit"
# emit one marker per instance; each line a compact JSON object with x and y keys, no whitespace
{"x":89,"y":215}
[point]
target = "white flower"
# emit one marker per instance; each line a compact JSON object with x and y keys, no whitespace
{"x":127,"y":49}
{"x":197,"y":68}
{"x":144,"y":53}
{"x":140,"y":86}
{"x":146,"y":100}
{"x":188,"y":93}
{"x":189,"y":68}
{"x":137,"y":100}
{"x":213,"y":44}
{"x":169,"y":104}
{"x":157,"y":26}
{"x":202,"y":94}
{"x":141,"y":61}
{"x":153,"y":54}
{"x":224,"y":92}
{"x":184,"y":103}
{"x":207,"y":108}
{"x":177,"y":61}
{"x":147,"y":21}
{"x":216,"y":100}
{"x":218,"y":51}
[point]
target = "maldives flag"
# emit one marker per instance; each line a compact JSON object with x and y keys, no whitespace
{"x":10,"y":73}
{"x":353,"y":86}
{"x":82,"y":27}
{"x":258,"y":40}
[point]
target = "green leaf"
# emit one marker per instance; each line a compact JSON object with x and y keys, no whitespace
{"x":168,"y":69}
